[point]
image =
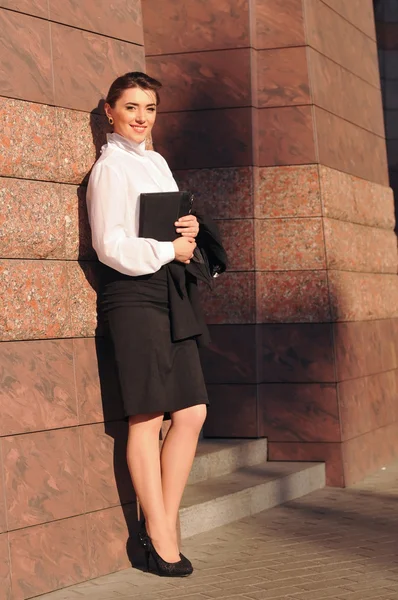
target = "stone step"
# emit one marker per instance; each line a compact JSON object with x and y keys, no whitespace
{"x":217,"y":457}
{"x":249,"y":490}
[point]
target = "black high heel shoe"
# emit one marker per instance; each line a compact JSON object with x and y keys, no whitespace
{"x":182,"y":568}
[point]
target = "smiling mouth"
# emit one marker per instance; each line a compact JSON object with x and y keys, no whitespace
{"x":139,"y":128}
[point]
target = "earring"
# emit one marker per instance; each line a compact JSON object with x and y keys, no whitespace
{"x":110,"y":120}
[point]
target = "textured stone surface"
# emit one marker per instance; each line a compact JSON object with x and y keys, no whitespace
{"x":278,"y":24}
{"x":121,"y":19}
{"x":287,"y":192}
{"x":282,"y":77}
{"x":221,"y":193}
{"x":365,"y":348}
{"x":5,"y":578}
{"x":200,"y":80}
{"x":292,"y":297}
{"x":292,"y":412}
{"x":353,"y":199}
{"x":232,"y":299}
{"x":26,"y":69}
{"x":286,"y":136}
{"x":346,"y":150}
{"x":48,"y":557}
{"x":37,"y":8}
{"x":195,"y":25}
{"x":33,"y":219}
{"x":222,"y":138}
{"x":289,"y":244}
{"x":359,"y":12}
{"x":83,"y":287}
{"x":37,"y":387}
{"x":78,"y":232}
{"x":79,"y":83}
{"x":43,"y":477}
{"x":232,"y":412}
{"x":28,"y":134}
{"x":368,"y":403}
{"x":341,"y":41}
{"x":3,"y":517}
{"x":333,"y":84}
{"x":295,"y":352}
{"x":106,"y":478}
{"x":238,"y":238}
{"x":362,"y":296}
{"x":34,"y":301}
{"x":352,"y":247}
{"x":231,"y":357}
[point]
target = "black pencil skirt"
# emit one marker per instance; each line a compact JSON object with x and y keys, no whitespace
{"x":155,"y":373}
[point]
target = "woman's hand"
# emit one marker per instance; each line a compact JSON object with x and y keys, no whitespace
{"x":188,"y":226}
{"x":183,"y":248}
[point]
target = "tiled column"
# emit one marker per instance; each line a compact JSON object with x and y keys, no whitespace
{"x":61,"y":519}
{"x":303,"y":324}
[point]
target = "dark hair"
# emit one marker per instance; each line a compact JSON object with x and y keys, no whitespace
{"x":135,"y":79}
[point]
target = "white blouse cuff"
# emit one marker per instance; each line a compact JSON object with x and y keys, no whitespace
{"x":167,"y":252}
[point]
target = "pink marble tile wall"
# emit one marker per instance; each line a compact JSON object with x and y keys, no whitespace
{"x":359,"y":12}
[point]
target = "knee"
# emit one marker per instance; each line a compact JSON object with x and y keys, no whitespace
{"x":192,"y":418}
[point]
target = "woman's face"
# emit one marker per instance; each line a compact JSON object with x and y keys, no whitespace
{"x":134,"y":114}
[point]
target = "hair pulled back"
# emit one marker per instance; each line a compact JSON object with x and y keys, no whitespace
{"x":135,"y":79}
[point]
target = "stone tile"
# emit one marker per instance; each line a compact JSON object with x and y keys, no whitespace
{"x":328,"y":452}
{"x":3,"y":517}
{"x":26,"y":58}
{"x":199,"y":80}
{"x":231,"y":356}
{"x":106,"y":478}
{"x":83,"y":287}
{"x":292,"y":297}
{"x":341,"y":41}
{"x":346,"y":150}
{"x":37,"y":387}
{"x":232,"y":411}
{"x":286,"y":136}
{"x":80,"y":137}
{"x":282,"y":77}
{"x":289,"y":244}
{"x":108,"y":537}
{"x":79,"y":83}
{"x":350,"y":198}
{"x":368,"y":403}
{"x":278,"y":24}
{"x":295,"y":352}
{"x":287,"y":192}
{"x":299,"y":412}
{"x":97,"y":383}
{"x":238,"y":239}
{"x":369,"y":452}
{"x":359,"y":13}
{"x":362,"y":296}
{"x":365,"y":348}
{"x":222,"y":138}
{"x":333,"y":84}
{"x":232,"y":299}
{"x":119,"y":20}
{"x":28,"y":134}
{"x":221,"y":193}
{"x":34,"y":219}
{"x":78,"y":233}
{"x":33,"y":304}
{"x":43,"y":477}
{"x":195,"y":26}
{"x":48,"y":557}
{"x":352,"y":247}
{"x":5,"y":576}
{"x":37,"y":8}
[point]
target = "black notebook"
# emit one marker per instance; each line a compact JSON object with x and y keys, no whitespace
{"x":159,"y":211}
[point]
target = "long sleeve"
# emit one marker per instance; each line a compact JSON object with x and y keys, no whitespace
{"x":107,"y":199}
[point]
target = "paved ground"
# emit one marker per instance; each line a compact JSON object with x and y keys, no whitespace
{"x":332,"y":544}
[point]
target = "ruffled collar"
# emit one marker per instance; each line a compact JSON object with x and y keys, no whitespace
{"x":121,"y":142}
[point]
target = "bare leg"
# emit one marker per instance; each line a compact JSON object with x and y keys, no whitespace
{"x":144,"y":464}
{"x":178,"y":452}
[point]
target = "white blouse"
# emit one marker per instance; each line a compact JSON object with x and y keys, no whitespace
{"x":124,"y":171}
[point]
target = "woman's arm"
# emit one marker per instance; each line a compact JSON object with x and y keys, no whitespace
{"x":106,"y":204}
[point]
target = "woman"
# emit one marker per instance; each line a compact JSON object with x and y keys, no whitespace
{"x":158,"y":376}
